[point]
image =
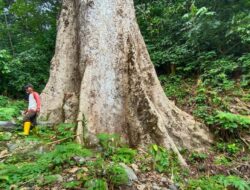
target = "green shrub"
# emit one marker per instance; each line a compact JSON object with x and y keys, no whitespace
{"x":19,"y":70}
{"x":117,"y":175}
{"x":5,"y":136}
{"x":230,"y":148}
{"x":96,"y":184}
{"x":160,"y":158}
{"x":5,"y":59}
{"x":7,"y":114}
{"x":232,"y":181}
{"x":202,"y":111}
{"x":125,"y":155}
{"x":219,"y":182}
{"x":47,"y":163}
{"x":246,"y":98}
{"x":222,"y":160}
{"x":217,"y":74}
{"x":232,"y":123}
{"x":197,"y":157}
{"x":96,"y":167}
{"x":65,"y":130}
{"x":63,"y":153}
{"x":204,"y":184}
{"x":4,"y":101}
{"x":49,"y":179}
{"x":174,"y":87}
{"x":109,"y":143}
{"x":71,"y":184}
{"x":10,"y":109}
{"x":245,"y":68}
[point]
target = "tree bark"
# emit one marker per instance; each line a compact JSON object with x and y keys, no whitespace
{"x":102,"y":74}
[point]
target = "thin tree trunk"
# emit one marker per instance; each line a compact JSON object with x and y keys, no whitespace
{"x":102,"y":73}
{"x":173,"y":69}
{"x":9,"y":35}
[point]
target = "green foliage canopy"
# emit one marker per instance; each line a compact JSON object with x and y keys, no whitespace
{"x":27,"y":38}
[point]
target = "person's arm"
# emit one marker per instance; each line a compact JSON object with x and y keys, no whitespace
{"x":38,"y":101}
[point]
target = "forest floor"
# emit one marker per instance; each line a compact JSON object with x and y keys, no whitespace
{"x":49,"y":159}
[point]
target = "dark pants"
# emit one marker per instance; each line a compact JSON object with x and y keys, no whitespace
{"x":30,"y":116}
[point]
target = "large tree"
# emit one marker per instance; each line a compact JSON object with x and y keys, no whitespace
{"x":101,"y":73}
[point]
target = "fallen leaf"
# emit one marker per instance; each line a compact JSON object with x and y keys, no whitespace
{"x":73,"y":170}
{"x":4,"y":152}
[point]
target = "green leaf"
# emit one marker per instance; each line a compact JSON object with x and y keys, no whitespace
{"x":155,"y":147}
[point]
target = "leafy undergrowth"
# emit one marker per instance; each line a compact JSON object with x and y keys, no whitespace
{"x":224,"y":107}
{"x":54,"y":160}
{"x":49,"y":158}
{"x":10,"y":109}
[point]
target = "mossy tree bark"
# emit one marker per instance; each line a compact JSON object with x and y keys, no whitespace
{"x":102,"y":73}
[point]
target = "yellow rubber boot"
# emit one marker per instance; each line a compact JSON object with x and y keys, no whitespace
{"x":26,"y":128}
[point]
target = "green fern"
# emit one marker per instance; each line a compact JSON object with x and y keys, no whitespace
{"x":229,"y":120}
{"x":160,"y":158}
{"x":46,"y":164}
{"x":72,"y":184}
{"x":7,"y":114}
{"x":117,"y":175}
{"x":64,"y":153}
{"x":96,"y":184}
{"x":125,"y":155}
{"x":218,"y":182}
{"x":65,"y":130}
{"x":10,"y":109}
{"x":204,"y":184}
{"x":108,"y":143}
{"x":232,"y":181}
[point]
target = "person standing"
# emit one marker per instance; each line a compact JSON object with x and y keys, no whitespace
{"x":33,"y":110}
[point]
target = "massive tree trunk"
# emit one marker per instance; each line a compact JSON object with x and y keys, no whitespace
{"x":102,"y":73}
